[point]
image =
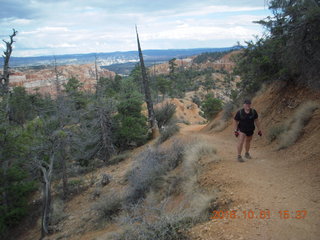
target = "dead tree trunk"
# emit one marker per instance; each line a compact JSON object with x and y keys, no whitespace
{"x":4,"y":91}
{"x":96,"y":68}
{"x":7,"y":55}
{"x":105,"y":125}
{"x":145,"y":81}
{"x":4,"y":81}
{"x":46,"y":170}
{"x":57,"y":74}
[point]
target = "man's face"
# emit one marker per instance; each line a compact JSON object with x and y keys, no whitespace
{"x":246,"y":106}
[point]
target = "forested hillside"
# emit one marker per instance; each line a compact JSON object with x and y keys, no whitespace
{"x":48,"y":141}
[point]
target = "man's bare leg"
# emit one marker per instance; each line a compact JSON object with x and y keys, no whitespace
{"x":242,"y":137}
{"x":247,"y":143}
{"x":247,"y":146}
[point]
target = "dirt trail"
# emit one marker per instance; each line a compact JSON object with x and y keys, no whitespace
{"x":268,"y":182}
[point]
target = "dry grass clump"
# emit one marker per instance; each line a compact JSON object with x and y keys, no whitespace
{"x":150,"y":168}
{"x":57,"y":211}
{"x":119,"y":158}
{"x":160,"y":174}
{"x":227,"y":111}
{"x":109,"y":206}
{"x":201,"y":204}
{"x":220,"y":124}
{"x":168,"y":131}
{"x":146,"y":223}
{"x":194,"y":153}
{"x":294,"y":126}
{"x":275,"y":132}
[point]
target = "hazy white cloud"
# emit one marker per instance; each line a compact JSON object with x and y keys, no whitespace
{"x":218,"y":9}
{"x":77,"y":26}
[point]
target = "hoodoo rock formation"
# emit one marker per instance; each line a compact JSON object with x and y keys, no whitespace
{"x":44,"y":80}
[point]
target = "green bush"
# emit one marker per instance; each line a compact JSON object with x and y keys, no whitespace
{"x":211,"y":106}
{"x":289,"y":52}
{"x":14,"y":191}
{"x":196,"y":100}
{"x":130,"y":125}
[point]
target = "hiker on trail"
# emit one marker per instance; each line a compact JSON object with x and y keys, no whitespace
{"x":245,"y":121}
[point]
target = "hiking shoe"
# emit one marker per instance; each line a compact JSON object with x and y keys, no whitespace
{"x":240,"y":159}
{"x":247,"y":155}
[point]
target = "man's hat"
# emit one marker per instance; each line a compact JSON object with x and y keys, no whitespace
{"x":247,"y":101}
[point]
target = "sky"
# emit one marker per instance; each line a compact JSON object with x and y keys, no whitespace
{"x":55,"y":27}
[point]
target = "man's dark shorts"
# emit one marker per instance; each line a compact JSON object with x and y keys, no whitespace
{"x":247,"y":133}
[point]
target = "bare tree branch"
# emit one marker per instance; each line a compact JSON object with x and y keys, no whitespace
{"x":4,"y":81}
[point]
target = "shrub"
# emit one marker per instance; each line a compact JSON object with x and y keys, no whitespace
{"x":119,"y":158}
{"x":165,"y":114}
{"x":130,"y":125}
{"x":154,"y":223}
{"x":296,"y":124}
{"x":211,"y":106}
{"x":168,"y":131}
{"x":76,"y":186}
{"x":200,"y":203}
{"x":142,"y":222}
{"x":109,"y":206}
{"x":151,"y":166}
{"x":275,"y":132}
{"x":196,"y":100}
{"x":16,"y":187}
{"x":218,"y":125}
{"x":130,"y":131}
{"x":194,"y":153}
{"x":227,"y":111}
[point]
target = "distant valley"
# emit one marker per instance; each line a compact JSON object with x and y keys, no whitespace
{"x":118,"y":62}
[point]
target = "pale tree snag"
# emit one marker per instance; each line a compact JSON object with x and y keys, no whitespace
{"x":145,"y":81}
{"x":7,"y":54}
{"x":46,"y":169}
{"x":57,"y":75}
{"x":96,"y":68}
{"x":4,"y":90}
{"x":47,"y":175}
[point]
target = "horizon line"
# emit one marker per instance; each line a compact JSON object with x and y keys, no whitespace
{"x":119,"y":51}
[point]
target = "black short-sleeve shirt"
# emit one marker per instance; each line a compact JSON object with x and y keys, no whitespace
{"x":246,"y":120}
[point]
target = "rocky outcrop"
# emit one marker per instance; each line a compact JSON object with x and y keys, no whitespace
{"x":44,"y":80}
{"x":226,"y":63}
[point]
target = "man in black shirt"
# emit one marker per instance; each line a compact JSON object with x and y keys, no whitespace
{"x":245,"y":121}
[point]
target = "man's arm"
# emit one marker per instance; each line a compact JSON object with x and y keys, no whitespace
{"x":235,"y":124}
{"x":257,"y":123}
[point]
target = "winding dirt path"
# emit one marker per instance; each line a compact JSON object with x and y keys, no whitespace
{"x":269,"y":184}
